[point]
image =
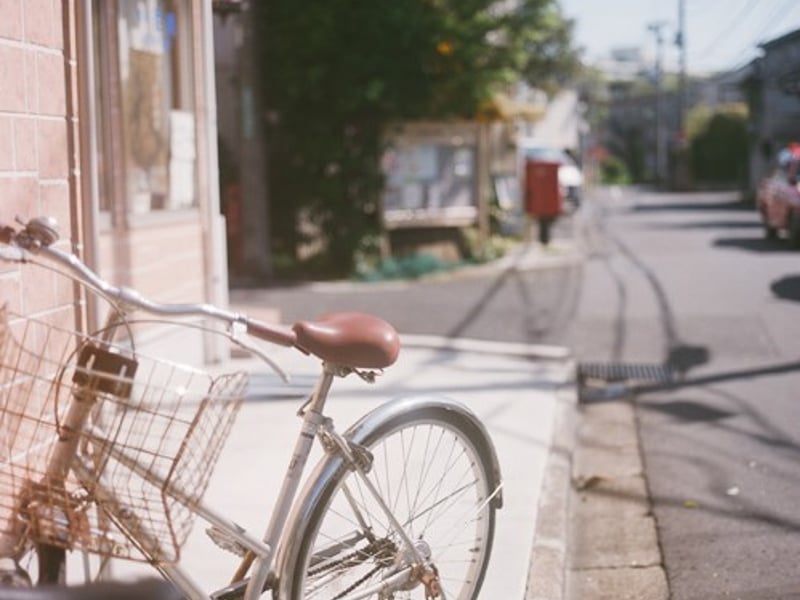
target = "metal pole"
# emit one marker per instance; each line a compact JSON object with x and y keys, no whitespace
{"x":681,"y":173}
{"x":680,"y":41}
{"x":90,"y":168}
{"x":656,"y":28}
{"x":255,"y":198}
{"x":216,"y":282}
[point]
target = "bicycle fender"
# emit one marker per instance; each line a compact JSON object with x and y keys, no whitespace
{"x":362,"y":430}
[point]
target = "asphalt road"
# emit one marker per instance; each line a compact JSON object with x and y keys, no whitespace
{"x":691,"y":280}
{"x":500,"y":304}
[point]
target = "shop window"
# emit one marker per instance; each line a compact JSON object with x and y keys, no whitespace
{"x":146,"y":130}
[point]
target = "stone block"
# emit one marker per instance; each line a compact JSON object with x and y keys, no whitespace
{"x":614,"y":542}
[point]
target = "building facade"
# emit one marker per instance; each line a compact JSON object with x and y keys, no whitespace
{"x":108,"y":123}
{"x":773,"y":93}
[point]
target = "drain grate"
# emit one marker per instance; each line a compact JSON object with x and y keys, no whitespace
{"x":624,"y":372}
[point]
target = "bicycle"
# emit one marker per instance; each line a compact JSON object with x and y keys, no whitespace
{"x":108,"y":451}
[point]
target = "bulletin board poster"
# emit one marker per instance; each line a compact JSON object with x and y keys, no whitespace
{"x":430,"y":183}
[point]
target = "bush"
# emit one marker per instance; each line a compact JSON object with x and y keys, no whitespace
{"x":412,"y":266}
{"x":614,"y":171}
{"x":719,"y":153}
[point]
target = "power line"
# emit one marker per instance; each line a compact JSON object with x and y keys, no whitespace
{"x":776,"y":16}
{"x":724,"y":32}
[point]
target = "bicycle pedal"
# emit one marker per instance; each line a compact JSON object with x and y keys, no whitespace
{"x":223,"y":540}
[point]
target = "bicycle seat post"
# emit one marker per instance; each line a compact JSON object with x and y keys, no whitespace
{"x":313,"y":419}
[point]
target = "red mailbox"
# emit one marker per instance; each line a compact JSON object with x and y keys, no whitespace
{"x":542,"y":194}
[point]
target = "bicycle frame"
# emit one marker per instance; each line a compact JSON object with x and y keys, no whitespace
{"x":262,"y":549}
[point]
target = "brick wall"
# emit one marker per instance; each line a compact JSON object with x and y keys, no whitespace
{"x":38,"y":176}
{"x":35,"y":160}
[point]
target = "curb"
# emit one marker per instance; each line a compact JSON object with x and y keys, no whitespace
{"x":525,"y":257}
{"x":547,"y":569}
{"x":614,"y":540}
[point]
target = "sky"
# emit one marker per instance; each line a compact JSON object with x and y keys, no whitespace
{"x":719,"y":34}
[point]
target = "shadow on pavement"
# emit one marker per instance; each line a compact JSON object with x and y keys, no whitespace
{"x":621,"y":389}
{"x":737,"y":511}
{"x":752,"y":244}
{"x":787,"y":288}
{"x":694,"y":206}
{"x":688,"y":410}
{"x":480,"y":305}
{"x":707,"y":225}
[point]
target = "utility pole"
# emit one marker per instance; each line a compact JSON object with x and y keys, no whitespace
{"x":681,"y":172}
{"x":680,"y":42}
{"x":655,"y":28}
{"x":255,"y":200}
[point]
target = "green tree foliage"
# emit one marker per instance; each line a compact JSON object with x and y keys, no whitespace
{"x":613,"y":170}
{"x":719,"y":145}
{"x":337,"y":73}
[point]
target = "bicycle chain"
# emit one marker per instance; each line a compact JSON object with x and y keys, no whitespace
{"x":357,"y":583}
{"x":374,"y":548}
{"x":381,"y":549}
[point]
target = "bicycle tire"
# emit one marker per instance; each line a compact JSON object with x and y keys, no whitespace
{"x":449,"y":448}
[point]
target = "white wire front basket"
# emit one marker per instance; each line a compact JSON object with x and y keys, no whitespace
{"x":143,"y":456}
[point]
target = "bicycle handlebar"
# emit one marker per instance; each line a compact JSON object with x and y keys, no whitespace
{"x":36,"y":237}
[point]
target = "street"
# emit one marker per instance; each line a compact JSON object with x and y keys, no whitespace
{"x":684,"y":280}
{"x":691,"y":276}
{"x":508,"y":303}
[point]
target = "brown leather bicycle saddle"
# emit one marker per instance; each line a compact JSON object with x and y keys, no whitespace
{"x":349,"y":339}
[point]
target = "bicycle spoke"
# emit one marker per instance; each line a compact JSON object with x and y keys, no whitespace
{"x":375,"y":519}
{"x":435,"y":487}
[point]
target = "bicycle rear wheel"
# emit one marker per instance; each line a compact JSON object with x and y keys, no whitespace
{"x":432,"y":468}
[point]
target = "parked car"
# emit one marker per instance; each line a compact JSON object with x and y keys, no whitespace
{"x":570,"y":176}
{"x":778,"y":197}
